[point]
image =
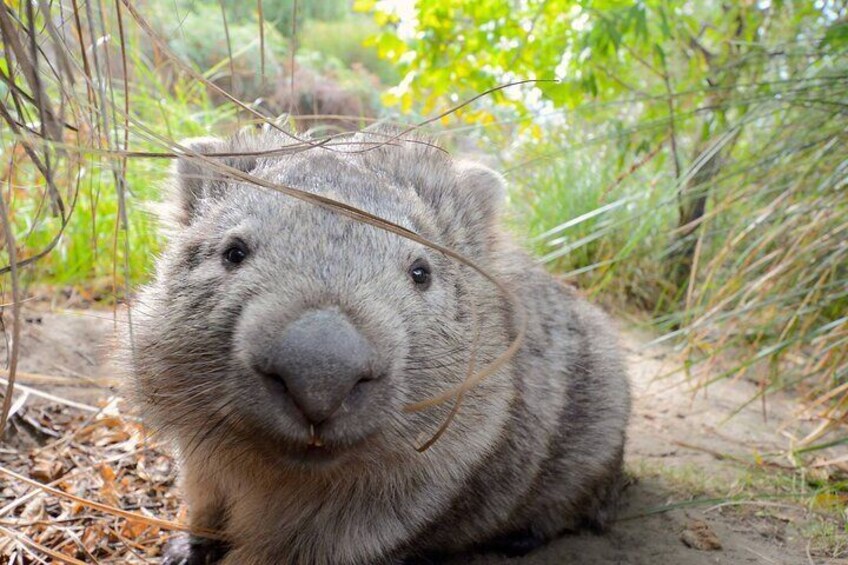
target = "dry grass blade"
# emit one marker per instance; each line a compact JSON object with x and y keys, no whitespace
{"x":404,"y":132}
{"x":53,"y":398}
{"x":472,"y":362}
{"x":261,"y":24}
{"x":57,"y":380}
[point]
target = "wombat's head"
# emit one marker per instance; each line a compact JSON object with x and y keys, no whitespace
{"x":277,"y":324}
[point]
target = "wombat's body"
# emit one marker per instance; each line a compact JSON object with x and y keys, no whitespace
{"x":281,"y":369}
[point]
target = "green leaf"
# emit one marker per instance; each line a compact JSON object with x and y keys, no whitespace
{"x":566,"y":93}
{"x":836,"y":35}
{"x":640,"y":21}
{"x":665,"y":28}
{"x":660,"y":54}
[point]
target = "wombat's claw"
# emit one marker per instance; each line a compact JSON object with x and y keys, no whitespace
{"x":193,"y":550}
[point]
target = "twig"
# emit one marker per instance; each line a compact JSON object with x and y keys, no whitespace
{"x":261,"y":19}
{"x":292,"y":105}
{"x":58,"y":380}
{"x":229,"y":46}
{"x":16,"y":312}
{"x":53,"y":397}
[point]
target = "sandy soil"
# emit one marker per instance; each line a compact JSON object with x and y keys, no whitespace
{"x":681,"y":454}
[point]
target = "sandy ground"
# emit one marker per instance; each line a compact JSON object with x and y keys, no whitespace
{"x":686,"y":461}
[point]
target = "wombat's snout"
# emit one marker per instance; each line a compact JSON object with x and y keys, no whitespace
{"x":317,"y":362}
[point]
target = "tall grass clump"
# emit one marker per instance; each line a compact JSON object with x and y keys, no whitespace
{"x":765,"y":291}
{"x":756,"y":283}
{"x":76,"y":108}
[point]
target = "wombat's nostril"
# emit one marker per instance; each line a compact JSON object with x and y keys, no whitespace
{"x":367,"y":376}
{"x":265,"y":371}
{"x":318,"y":361}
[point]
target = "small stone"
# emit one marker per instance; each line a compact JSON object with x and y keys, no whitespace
{"x":698,"y":535}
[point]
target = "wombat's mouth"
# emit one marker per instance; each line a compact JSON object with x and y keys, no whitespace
{"x":319,"y":452}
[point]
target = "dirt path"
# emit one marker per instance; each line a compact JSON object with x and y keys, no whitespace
{"x":680,"y":453}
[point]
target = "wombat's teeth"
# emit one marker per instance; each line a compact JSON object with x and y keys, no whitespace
{"x":314,"y":440}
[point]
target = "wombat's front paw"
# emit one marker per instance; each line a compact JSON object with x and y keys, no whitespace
{"x":193,"y":550}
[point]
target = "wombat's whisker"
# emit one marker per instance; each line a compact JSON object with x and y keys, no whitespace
{"x":436,"y":364}
{"x":193,"y":394}
{"x":184,"y":407}
{"x":219,"y":417}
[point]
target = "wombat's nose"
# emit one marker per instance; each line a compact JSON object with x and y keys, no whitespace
{"x":320,"y":358}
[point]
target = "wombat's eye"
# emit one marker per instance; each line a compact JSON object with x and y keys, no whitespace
{"x":236,"y":253}
{"x":419,"y":272}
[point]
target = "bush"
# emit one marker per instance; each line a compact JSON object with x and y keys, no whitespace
{"x":279,"y":13}
{"x":199,"y":36}
{"x":345,"y":41}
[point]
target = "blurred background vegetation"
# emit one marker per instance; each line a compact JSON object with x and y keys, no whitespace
{"x":682,"y":162}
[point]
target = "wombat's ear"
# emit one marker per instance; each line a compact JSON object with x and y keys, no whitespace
{"x":468,"y":205}
{"x":481,"y":191}
{"x":196,"y":181}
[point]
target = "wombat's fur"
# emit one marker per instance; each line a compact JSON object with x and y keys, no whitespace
{"x":535,"y":449}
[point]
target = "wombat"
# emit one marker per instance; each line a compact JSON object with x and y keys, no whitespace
{"x":281,"y":344}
